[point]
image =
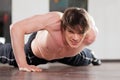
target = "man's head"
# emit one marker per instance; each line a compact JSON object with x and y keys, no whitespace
{"x":74,"y":25}
{"x":75,"y":18}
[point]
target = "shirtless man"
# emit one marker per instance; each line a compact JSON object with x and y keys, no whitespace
{"x":57,"y":37}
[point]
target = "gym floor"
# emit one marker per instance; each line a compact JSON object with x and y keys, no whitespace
{"x":107,"y":71}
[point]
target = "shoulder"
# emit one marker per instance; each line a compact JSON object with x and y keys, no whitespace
{"x":92,"y":32}
{"x":52,"y":20}
{"x":90,"y":37}
{"x":92,"y":24}
{"x":50,"y":17}
{"x":53,"y":14}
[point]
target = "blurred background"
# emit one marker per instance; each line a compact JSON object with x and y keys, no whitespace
{"x":106,"y":14}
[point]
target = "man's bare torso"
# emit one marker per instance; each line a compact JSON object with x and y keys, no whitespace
{"x":50,"y":44}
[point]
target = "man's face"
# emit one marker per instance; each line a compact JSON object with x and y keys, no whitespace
{"x":73,"y":38}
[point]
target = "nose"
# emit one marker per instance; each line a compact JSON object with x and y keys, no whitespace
{"x":76,"y":37}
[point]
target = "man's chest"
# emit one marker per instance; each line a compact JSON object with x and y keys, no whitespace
{"x":55,"y":50}
{"x":52,"y":46}
{"x":60,"y":52}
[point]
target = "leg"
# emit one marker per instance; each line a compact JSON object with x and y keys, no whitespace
{"x":93,"y":58}
{"x":84,"y":58}
{"x":6,"y":54}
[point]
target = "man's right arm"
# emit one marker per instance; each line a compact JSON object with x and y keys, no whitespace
{"x":17,"y":32}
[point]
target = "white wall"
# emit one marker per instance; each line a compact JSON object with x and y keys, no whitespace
{"x":107,"y":17}
{"x":25,"y":8}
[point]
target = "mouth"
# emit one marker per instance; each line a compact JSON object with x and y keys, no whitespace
{"x":74,"y":42}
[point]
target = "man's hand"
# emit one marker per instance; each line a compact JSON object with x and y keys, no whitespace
{"x":30,"y":68}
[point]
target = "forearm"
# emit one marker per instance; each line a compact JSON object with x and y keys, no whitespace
{"x":17,"y":39}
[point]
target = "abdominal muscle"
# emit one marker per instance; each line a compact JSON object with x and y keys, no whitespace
{"x":45,"y":52}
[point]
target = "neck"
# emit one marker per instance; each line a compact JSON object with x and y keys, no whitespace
{"x":64,"y":40}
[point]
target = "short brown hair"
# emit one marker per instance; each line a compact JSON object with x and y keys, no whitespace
{"x":74,"y":17}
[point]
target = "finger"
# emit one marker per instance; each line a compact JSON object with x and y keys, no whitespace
{"x":25,"y":69}
{"x":34,"y":68}
{"x":31,"y":68}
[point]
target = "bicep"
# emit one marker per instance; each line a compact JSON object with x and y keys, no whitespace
{"x":29,"y":25}
{"x":37,"y":22}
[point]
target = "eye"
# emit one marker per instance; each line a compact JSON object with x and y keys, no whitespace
{"x":80,"y":33}
{"x":70,"y":31}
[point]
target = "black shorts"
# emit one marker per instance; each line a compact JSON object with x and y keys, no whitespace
{"x":6,"y":56}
